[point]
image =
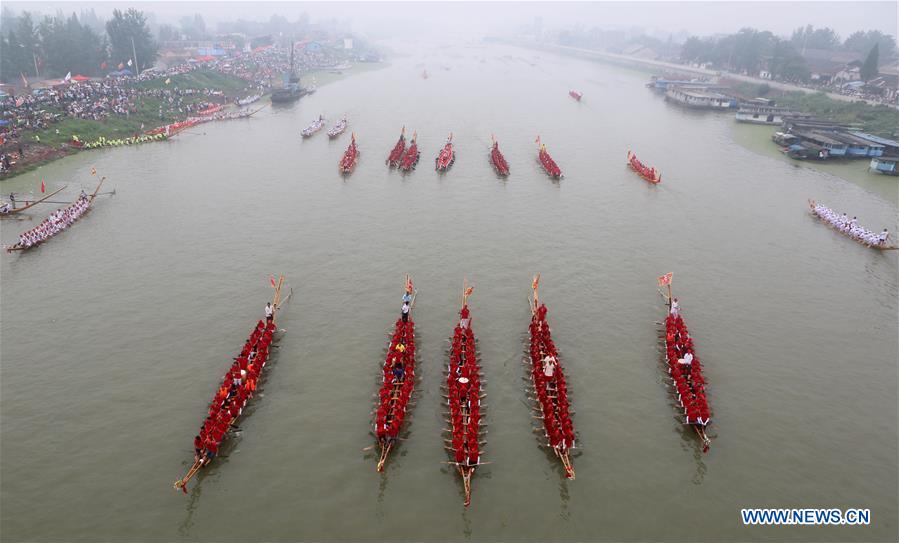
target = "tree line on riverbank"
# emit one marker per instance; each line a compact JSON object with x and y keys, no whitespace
{"x":751,"y":50}
{"x":56,"y":45}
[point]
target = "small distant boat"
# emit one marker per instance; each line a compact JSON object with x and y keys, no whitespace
{"x":249,"y":100}
{"x":549,"y":165}
{"x":396,"y":155}
{"x":650,"y":174}
{"x":338,"y":128}
{"x":350,"y":158}
{"x":424,"y":74}
{"x":577,"y":95}
{"x":410,"y":158}
{"x":314,"y":126}
{"x":498,"y":160}
{"x":446,"y":157}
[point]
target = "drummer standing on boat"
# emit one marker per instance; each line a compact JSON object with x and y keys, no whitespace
{"x":269,"y":312}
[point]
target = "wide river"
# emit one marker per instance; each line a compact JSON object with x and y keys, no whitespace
{"x":116,"y":332}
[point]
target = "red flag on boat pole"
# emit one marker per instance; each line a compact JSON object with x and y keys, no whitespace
{"x":272,"y":278}
{"x":43,"y":185}
{"x":665,"y":279}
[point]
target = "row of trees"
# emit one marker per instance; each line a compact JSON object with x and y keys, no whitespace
{"x":862,"y":42}
{"x":59,"y":45}
{"x":750,"y":50}
{"x":745,"y":51}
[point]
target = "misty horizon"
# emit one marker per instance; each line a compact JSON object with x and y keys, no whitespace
{"x":475,"y":20}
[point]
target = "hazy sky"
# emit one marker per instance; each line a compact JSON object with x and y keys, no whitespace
{"x":496,"y":17}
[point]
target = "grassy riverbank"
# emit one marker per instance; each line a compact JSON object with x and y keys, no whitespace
{"x":51,"y":143}
{"x":881,"y":120}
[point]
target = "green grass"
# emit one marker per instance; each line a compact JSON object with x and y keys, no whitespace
{"x":199,"y":79}
{"x":147,"y":114}
{"x":881,"y":120}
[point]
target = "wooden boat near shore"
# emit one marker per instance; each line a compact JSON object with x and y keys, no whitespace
{"x":397,"y":381}
{"x":396,"y":154}
{"x":550,"y":391}
{"x":463,"y":399}
{"x":848,"y":228}
{"x":237,"y":388}
{"x":28,"y":204}
{"x":650,"y":174}
{"x":88,"y":201}
{"x":684,"y":368}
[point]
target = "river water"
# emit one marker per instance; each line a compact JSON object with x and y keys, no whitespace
{"x":116,"y":332}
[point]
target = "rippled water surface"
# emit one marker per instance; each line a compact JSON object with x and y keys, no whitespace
{"x":115,"y":333}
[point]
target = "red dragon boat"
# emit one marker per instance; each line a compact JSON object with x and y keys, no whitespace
{"x":685,"y":369}
{"x":650,"y":174}
{"x":398,"y":379}
{"x":550,"y":389}
{"x":549,"y":165}
{"x":463,"y":399}
{"x":237,"y":388}
{"x":447,"y":156}
{"x":350,"y":157}
{"x":498,"y":160}
{"x":396,"y":155}
{"x":577,"y":95}
{"x":410,"y":158}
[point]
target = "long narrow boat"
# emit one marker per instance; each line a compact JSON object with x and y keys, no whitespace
{"x":396,"y":154}
{"x":412,"y":155}
{"x":398,"y":380}
{"x":500,"y":166}
{"x":350,"y":158}
{"x":650,"y":174}
{"x":550,"y":389}
{"x":13,"y":211}
{"x":314,"y":127}
{"x":77,"y":209}
{"x":463,"y":399}
{"x":249,"y":100}
{"x":338,"y":129}
{"x":549,"y":165}
{"x":686,"y":372}
{"x":850,"y":227}
{"x":446,"y":157}
{"x":236,"y":389}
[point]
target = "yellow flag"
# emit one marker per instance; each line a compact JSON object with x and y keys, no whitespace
{"x":168,"y":80}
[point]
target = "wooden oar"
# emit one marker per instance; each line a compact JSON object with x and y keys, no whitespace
{"x":32,"y":204}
